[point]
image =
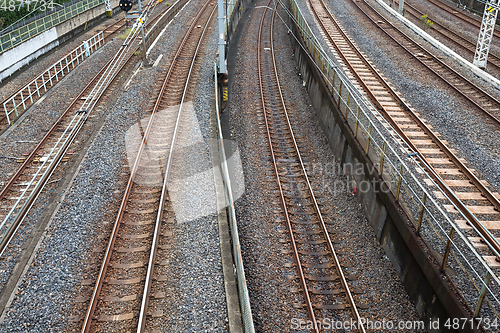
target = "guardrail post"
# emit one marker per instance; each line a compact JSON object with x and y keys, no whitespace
{"x":398,"y":189}
{"x":55,"y":73}
{"x":37,"y":88}
{"x":340,"y":93}
{"x":6,"y":112}
{"x":448,"y":248}
{"x":22,"y":99}
{"x":382,"y":158}
{"x":368,"y":138}
{"x":333,"y":82}
{"x":482,"y":294}
{"x":347,"y":105}
{"x":421,"y":212}
{"x":15,"y":107}
{"x":31,"y":95}
{"x":357,"y":122}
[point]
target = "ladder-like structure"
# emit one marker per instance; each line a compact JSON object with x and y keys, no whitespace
{"x":486,"y":34}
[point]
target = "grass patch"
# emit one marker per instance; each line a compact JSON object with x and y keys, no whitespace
{"x":125,"y":33}
{"x":426,"y":23}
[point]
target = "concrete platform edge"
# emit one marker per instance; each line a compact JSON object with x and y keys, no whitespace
{"x":230,"y":285}
{"x":483,"y":75}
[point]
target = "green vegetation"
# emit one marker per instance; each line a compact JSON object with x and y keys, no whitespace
{"x":426,"y":23}
{"x":13,"y":10}
{"x":125,"y":33}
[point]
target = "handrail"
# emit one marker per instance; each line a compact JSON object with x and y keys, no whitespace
{"x":27,"y":95}
{"x":27,"y":31}
{"x":403,"y":174}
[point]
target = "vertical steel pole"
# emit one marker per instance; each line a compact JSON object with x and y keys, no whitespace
{"x":401,"y":5}
{"x":421,"y":212}
{"x":222,"y":40}
{"x":369,"y":134}
{"x":400,"y":176}
{"x":143,"y":35}
{"x":486,"y":34}
{"x":481,"y":296}
{"x":448,"y":248}
{"x":382,"y":158}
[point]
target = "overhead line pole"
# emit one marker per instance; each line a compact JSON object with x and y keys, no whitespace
{"x":222,"y":41}
{"x":486,"y":34}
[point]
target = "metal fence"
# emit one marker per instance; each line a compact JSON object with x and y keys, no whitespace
{"x":436,"y":222}
{"x":246,"y":310}
{"x":27,"y":31}
{"x":27,"y":95}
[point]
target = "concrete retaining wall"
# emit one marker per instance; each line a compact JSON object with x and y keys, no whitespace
{"x":434,"y":297}
{"x":241,"y":8}
{"x":14,"y":59}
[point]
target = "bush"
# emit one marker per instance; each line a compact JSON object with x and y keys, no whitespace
{"x":11,"y":11}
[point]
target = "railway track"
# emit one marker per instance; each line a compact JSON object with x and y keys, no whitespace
{"x":459,"y":183}
{"x":453,"y":37}
{"x":19,"y":101}
{"x":471,"y":20}
{"x":483,"y":101}
{"x":129,"y":286}
{"x":325,"y":290}
{"x":24,"y":187}
{"x":114,"y":28}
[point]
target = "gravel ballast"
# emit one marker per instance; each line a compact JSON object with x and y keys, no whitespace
{"x":49,"y":296}
{"x":259,"y":224}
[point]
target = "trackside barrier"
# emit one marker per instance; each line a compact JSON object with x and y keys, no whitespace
{"x":230,"y":6}
{"x":23,"y":98}
{"x":402,"y":172}
{"x":245,"y":308}
{"x":22,"y":34}
{"x":160,"y":24}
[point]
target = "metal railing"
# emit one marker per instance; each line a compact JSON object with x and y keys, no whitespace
{"x":246,"y":310}
{"x":25,"y":32}
{"x":24,"y":97}
{"x":436,"y":222}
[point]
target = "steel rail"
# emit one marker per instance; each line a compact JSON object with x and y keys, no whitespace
{"x":121,"y":23}
{"x":26,"y":206}
{"x":309,"y":187}
{"x":469,"y":46}
{"x":31,"y":156}
{"x":495,"y":201}
{"x":149,"y":276}
{"x":464,"y":17}
{"x":302,"y":278}
{"x":107,"y":255}
{"x":492,"y":99}
{"x":484,"y":233}
{"x":338,"y":267}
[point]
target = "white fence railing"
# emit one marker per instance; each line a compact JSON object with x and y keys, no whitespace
{"x":26,"y":96}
